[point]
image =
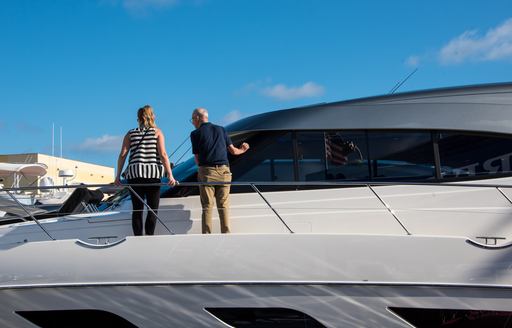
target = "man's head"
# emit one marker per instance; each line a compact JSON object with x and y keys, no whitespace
{"x":199,"y":116}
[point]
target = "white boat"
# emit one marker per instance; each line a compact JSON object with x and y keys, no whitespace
{"x":19,"y":171}
{"x":389,"y":211}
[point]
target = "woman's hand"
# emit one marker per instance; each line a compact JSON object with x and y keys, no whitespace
{"x":172,"y":181}
{"x":118,"y":182}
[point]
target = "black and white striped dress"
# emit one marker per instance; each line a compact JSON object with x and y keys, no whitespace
{"x":144,"y":160}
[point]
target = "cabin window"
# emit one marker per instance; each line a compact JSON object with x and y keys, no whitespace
{"x":75,"y":318}
{"x":332,"y":155}
{"x":269,"y":159}
{"x":401,"y":155}
{"x":465,"y":155}
{"x":264,"y":318}
{"x":430,"y":318}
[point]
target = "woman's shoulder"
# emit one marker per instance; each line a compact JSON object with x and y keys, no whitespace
{"x":158,"y":132}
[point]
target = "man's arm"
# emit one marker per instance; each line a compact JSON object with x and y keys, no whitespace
{"x":195,"y":149}
{"x":238,"y":151}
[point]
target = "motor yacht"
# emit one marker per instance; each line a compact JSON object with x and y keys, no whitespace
{"x":388,"y":211}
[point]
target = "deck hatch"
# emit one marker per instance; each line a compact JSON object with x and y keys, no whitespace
{"x":75,"y":319}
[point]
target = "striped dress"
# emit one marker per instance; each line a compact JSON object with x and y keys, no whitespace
{"x":144,"y":160}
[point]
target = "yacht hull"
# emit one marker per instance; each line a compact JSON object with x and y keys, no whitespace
{"x":339,"y":280}
{"x":332,"y":305}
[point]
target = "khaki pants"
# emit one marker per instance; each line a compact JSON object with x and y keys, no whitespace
{"x":218,"y":193}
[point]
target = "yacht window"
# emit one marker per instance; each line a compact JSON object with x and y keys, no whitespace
{"x":472,"y":155}
{"x":332,"y":155}
{"x":264,"y":317}
{"x":75,"y":318}
{"x":430,"y":318}
{"x":184,"y":172}
{"x":401,"y":155}
{"x":269,"y":159}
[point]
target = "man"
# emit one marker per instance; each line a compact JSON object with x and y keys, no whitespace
{"x":210,"y":146}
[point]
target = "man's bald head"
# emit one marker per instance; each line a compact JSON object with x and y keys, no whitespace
{"x":199,"y":116}
{"x":201,"y":113}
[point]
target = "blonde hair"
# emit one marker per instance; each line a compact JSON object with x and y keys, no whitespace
{"x":146,"y":117}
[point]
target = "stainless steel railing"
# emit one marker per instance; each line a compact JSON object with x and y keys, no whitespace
{"x":254,"y":186}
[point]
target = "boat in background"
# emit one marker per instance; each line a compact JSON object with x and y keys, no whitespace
{"x":19,"y":171}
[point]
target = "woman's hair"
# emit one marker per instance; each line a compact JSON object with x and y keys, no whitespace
{"x":146,"y":117}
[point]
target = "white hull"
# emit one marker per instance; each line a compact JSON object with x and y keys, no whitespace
{"x":340,"y":280}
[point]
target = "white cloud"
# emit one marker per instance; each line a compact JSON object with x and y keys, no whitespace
{"x":105,"y":143}
{"x":413,"y":61}
{"x":283,"y":92}
{"x":143,"y":6}
{"x":232,"y":117}
{"x":496,"y":44}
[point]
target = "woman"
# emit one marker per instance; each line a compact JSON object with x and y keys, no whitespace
{"x":146,"y":165}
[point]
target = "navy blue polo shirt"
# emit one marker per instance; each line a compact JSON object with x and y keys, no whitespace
{"x":210,"y":143}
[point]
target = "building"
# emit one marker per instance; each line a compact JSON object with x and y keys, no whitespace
{"x":76,"y":172}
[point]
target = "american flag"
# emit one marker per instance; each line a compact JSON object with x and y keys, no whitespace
{"x":336,"y":150}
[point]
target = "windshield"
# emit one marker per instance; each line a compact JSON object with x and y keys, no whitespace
{"x":182,"y":172}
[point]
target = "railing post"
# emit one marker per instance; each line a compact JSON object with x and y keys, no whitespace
{"x":275,"y":212}
{"x":389,"y":209}
{"x":30,"y":214}
{"x":504,"y":195}
{"x":150,"y":209}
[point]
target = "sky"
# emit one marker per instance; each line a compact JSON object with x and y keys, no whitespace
{"x":86,"y":66}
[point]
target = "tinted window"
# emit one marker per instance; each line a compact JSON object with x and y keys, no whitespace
{"x":75,"y":319}
{"x":472,"y":155}
{"x":401,"y":155}
{"x":333,"y":155}
{"x":270,"y":158}
{"x":264,"y":318}
{"x":431,"y":318}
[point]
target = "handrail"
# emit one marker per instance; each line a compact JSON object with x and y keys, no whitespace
{"x":150,"y":209}
{"x":32,"y":216}
{"x":389,"y":209}
{"x":275,"y":183}
{"x":486,"y":246}
{"x":368,"y":185}
{"x":269,"y":205}
{"x":504,"y":195}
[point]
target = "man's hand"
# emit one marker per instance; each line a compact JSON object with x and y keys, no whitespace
{"x":244,"y":146}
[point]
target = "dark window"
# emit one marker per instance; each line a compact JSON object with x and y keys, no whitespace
{"x":446,"y":318}
{"x":333,"y":155}
{"x":269,"y":159}
{"x":75,"y":319}
{"x":264,"y":318}
{"x":184,"y":172}
{"x":472,"y":155}
{"x":401,"y":155}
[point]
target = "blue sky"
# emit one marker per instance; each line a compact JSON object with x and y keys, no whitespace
{"x":87,"y":65}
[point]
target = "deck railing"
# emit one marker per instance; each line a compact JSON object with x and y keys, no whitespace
{"x":12,"y":192}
